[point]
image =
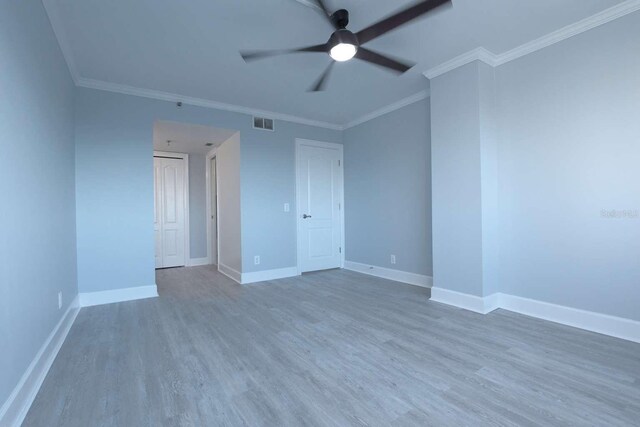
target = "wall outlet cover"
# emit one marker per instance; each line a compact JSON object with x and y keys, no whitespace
{"x":256,"y":259}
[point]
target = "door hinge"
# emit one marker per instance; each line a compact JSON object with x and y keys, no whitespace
{"x":340,"y":249}
{"x":339,"y":162}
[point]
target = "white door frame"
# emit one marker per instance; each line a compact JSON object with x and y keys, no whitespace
{"x":210,"y":155}
{"x":187,"y":230}
{"x":319,"y":144}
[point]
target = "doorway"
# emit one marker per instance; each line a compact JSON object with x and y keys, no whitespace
{"x":320,"y":201}
{"x":171,"y":201}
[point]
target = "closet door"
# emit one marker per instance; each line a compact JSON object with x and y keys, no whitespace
{"x":170,"y":212}
{"x":157,"y":209}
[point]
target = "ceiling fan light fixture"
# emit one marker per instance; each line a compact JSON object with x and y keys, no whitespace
{"x":343,"y":45}
{"x":343,"y":52}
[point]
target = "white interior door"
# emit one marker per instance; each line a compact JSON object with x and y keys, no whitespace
{"x":170,"y":212}
{"x":214,"y":212}
{"x":157,"y":209}
{"x":319,"y":176}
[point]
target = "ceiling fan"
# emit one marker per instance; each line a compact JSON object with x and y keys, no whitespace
{"x":344,"y":45}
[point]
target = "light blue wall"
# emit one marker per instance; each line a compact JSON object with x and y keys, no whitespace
{"x":456,"y":176}
{"x":268,"y":180}
{"x":387,"y":165}
{"x":524,"y":162}
{"x":114,"y":191}
{"x":228,"y":158}
{"x":570,"y":147}
{"x":198,"y":205}
{"x":114,"y":144}
{"x":38,"y":249}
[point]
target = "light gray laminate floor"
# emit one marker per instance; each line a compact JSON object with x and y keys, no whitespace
{"x":333,"y":348}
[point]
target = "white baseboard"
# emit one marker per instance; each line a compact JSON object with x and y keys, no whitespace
{"x":618,"y":327}
{"x":88,"y":299}
{"x":196,"y":262}
{"x":387,"y":273}
{"x":262,"y":276}
{"x":230,"y":272}
{"x":468,"y":302}
{"x":15,"y":409}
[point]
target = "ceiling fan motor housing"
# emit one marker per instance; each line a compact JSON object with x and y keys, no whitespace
{"x":340,"y":18}
{"x":343,"y":36}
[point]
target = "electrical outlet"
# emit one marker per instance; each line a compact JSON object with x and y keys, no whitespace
{"x":287,"y":208}
{"x":393,"y":259}
{"x":256,"y":260}
{"x":59,"y":300}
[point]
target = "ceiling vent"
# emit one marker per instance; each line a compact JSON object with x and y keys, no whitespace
{"x":262,"y":123}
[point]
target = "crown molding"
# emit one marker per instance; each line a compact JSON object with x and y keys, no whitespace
{"x":61,"y":36}
{"x":478,"y":54}
{"x":199,"y":102}
{"x":388,"y":109}
{"x":594,"y":21}
{"x":495,"y":60}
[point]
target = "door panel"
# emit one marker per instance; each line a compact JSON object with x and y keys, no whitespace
{"x":157,"y":206}
{"x":170,"y":212}
{"x":319,"y":195}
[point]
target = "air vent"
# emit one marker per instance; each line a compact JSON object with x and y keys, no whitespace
{"x":262,"y":123}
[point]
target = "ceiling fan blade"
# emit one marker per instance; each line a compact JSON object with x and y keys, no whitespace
{"x":382,"y":60}
{"x":261,"y":54}
{"x":326,"y":13}
{"x":321,"y":82}
{"x":398,"y":19}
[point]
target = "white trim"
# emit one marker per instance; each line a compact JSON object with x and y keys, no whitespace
{"x":196,"y":262}
{"x":61,"y":36}
{"x":265,"y":275}
{"x":199,"y":102}
{"x":569,"y":31}
{"x":468,"y":302}
{"x":332,"y":146}
{"x":187,"y":225}
{"x":479,"y":54}
{"x":17,"y":405}
{"x":618,"y":327}
{"x":390,"y":274}
{"x":495,"y":60}
{"x":230,"y":272}
{"x":89,"y":299}
{"x":614,"y":326}
{"x":211,"y":155}
{"x":388,"y":109}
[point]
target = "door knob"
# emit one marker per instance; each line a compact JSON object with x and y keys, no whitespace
{"x":305,"y":216}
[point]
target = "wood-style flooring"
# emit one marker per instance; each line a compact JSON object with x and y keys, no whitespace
{"x":333,"y":348}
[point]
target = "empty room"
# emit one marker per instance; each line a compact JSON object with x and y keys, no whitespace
{"x":320,"y":213}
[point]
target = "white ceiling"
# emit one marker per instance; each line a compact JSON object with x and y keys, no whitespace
{"x":187,"y":138}
{"x":191,"y":47}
